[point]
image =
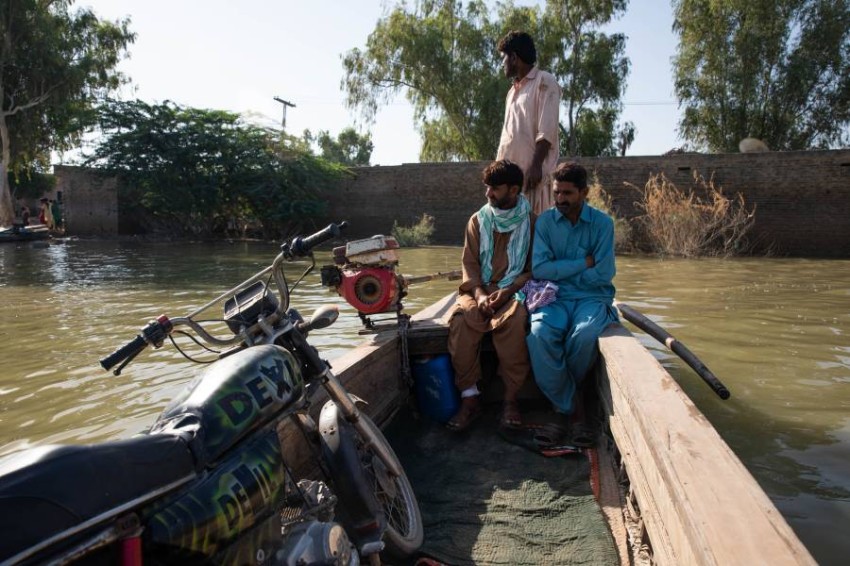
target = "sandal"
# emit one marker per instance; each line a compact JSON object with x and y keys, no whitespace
{"x":511,"y":417}
{"x":470,"y":409}
{"x":582,"y":435}
{"x":550,"y":435}
{"x":524,"y":438}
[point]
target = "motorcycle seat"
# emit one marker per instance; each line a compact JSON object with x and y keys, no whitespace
{"x":49,"y":489}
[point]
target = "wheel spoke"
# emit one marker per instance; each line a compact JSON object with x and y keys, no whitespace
{"x":395,"y":507}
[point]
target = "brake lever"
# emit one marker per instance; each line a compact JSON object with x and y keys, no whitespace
{"x":127,"y":360}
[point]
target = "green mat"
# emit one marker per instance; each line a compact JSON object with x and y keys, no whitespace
{"x":485,"y":501}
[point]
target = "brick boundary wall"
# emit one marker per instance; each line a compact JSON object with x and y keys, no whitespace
{"x":802,"y":198}
{"x":90,"y":201}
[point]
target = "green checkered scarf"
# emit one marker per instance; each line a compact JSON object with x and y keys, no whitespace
{"x":515,"y":220}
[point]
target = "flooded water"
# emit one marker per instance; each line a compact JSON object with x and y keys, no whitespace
{"x":776,"y":332}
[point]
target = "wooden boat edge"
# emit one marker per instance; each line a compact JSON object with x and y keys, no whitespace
{"x":698,"y":502}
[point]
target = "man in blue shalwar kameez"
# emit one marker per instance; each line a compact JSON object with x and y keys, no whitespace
{"x":573,"y":247}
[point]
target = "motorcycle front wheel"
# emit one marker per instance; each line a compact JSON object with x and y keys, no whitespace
{"x":365,"y":486}
{"x":405,"y":532}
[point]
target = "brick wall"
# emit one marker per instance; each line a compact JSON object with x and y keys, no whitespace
{"x":90,"y":201}
{"x":802,"y":198}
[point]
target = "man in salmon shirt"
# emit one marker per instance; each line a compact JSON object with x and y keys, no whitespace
{"x":530,"y":132}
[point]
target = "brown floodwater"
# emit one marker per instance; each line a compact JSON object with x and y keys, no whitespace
{"x":776,"y":331}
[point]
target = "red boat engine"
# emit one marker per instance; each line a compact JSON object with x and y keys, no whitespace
{"x":365,"y":275}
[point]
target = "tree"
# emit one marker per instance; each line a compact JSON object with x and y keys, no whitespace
{"x":592,"y":68}
{"x":776,"y":70}
{"x":597,"y":133}
{"x":54,"y":66}
{"x":442,"y":56}
{"x":194,"y":170}
{"x":349,"y":147}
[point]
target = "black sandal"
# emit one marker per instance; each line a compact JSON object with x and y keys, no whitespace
{"x":550,"y":435}
{"x":582,"y":435}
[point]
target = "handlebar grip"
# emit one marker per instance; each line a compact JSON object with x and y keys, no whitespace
{"x":301,"y":247}
{"x":131,"y":349}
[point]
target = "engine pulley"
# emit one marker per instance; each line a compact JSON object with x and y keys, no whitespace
{"x":371,"y":290}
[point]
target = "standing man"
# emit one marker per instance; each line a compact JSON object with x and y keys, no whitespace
{"x":56,"y":210}
{"x":574,"y":247}
{"x":496,"y":264}
{"x":530,"y":132}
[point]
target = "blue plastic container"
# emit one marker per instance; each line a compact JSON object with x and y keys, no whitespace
{"x":434,"y":382}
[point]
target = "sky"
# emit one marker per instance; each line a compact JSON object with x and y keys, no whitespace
{"x":238,"y":55}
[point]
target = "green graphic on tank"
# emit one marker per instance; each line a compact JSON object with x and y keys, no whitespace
{"x":238,"y":394}
{"x":243,"y":490}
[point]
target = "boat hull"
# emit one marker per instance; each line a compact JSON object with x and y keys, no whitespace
{"x":24,"y":234}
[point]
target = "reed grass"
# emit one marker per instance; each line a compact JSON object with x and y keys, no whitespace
{"x":416,"y":235}
{"x":700,"y":221}
{"x":599,"y":199}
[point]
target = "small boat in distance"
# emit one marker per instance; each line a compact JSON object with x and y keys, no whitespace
{"x":21,"y":233}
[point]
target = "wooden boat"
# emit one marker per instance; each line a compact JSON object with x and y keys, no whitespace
{"x":24,"y":233}
{"x":675,"y":492}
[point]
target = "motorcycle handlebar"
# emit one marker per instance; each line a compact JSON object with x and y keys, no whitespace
{"x":303,"y":246}
{"x":129,"y":350}
{"x":157,"y":330}
{"x":154,"y":333}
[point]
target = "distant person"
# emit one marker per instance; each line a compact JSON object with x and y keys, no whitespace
{"x":42,"y":211}
{"x":496,"y":264}
{"x":574,"y":248}
{"x":48,"y":214}
{"x":56,"y":210}
{"x":530,"y":131}
{"x":25,"y":215}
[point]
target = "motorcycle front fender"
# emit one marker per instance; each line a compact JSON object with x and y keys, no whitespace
{"x":359,"y":510}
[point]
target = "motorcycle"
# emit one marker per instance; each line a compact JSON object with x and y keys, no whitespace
{"x":210,"y":482}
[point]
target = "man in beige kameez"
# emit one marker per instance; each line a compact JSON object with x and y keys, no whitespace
{"x":496,"y":264}
{"x":530,"y":131}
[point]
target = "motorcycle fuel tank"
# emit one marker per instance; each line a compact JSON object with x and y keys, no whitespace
{"x":233,"y":397}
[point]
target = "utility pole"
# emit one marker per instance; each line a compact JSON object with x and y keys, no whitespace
{"x":285,"y":104}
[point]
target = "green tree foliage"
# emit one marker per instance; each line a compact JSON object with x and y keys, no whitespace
{"x":55,"y":64}
{"x":349,"y":147}
{"x":597,"y":133}
{"x":776,"y":70}
{"x":200,"y":171}
{"x":30,"y":184}
{"x":591,"y":67}
{"x":442,"y":55}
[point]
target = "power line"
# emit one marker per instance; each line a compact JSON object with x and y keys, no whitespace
{"x":651,"y":103}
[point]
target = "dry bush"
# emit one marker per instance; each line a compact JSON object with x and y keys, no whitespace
{"x":417,"y":235}
{"x":601,"y":200}
{"x":699,"y":222}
